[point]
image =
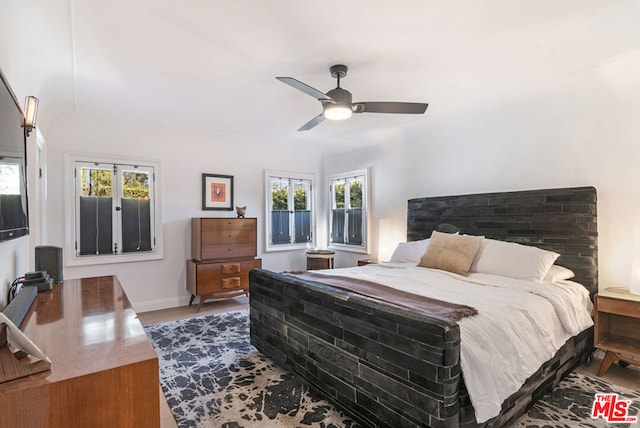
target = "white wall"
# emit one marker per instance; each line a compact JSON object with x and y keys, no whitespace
{"x":184,"y":155}
{"x":577,"y":130}
{"x":14,"y":262}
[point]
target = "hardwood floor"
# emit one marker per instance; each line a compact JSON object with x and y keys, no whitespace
{"x":182,"y":312}
{"x":628,"y":377}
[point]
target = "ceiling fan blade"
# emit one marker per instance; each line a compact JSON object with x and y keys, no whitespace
{"x":390,"y":107}
{"x":313,"y":122}
{"x":321,"y":96}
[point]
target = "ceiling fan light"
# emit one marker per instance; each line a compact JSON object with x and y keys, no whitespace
{"x":337,"y":112}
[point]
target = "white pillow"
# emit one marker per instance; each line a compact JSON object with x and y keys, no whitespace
{"x":409,"y":252}
{"x":558,"y":273}
{"x":513,"y":260}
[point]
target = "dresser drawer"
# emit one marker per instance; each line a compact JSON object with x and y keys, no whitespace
{"x":206,"y":271}
{"x":202,"y":271}
{"x":213,"y":285}
{"x":211,"y":224}
{"x":231,"y":283}
{"x":230,"y":268}
{"x":228,"y":251}
{"x":230,"y":236}
{"x":619,"y":307}
{"x":217,"y":270}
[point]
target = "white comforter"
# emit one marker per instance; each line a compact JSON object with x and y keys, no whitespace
{"x":520,"y":324}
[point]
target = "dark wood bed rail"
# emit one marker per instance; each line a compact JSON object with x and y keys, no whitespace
{"x":389,"y":366}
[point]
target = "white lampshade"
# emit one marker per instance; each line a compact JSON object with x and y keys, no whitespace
{"x":337,"y":111}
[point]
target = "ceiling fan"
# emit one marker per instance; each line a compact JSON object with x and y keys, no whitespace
{"x":337,"y":103}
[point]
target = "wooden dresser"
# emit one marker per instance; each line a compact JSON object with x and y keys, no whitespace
{"x":223,"y":251}
{"x":104,"y":370}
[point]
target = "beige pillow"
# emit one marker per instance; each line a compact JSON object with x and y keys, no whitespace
{"x":453,"y":253}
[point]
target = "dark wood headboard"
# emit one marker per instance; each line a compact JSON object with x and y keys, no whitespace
{"x":560,"y":220}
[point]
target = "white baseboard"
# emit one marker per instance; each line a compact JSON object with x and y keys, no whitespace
{"x":155,"y":305}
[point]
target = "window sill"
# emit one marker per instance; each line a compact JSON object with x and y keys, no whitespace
{"x":349,"y":248}
{"x":104,"y":260}
{"x":288,"y":247}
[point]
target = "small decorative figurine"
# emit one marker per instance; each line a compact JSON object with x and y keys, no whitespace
{"x":241,"y":211}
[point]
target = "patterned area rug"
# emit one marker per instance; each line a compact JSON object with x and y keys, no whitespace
{"x":213,"y":377}
{"x":570,"y":405}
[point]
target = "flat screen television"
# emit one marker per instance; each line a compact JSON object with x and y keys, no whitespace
{"x":14,"y":219}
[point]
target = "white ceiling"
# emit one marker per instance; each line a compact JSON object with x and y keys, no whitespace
{"x":210,"y":64}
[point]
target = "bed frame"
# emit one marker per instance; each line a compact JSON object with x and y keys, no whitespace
{"x":391,"y":367}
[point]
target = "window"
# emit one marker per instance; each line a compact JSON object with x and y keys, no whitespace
{"x":13,"y":201}
{"x":348,"y":211}
{"x":289,"y":210}
{"x":115,"y":210}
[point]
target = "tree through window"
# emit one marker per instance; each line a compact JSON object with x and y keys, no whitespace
{"x":348,"y":210}
{"x":289,"y":210}
{"x":114,"y":208}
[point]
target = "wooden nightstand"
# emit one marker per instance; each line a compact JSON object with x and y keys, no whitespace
{"x":617,"y":327}
{"x":320,"y":259}
{"x":365,"y":262}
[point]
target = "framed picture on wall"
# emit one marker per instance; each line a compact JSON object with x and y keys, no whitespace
{"x":217,"y":192}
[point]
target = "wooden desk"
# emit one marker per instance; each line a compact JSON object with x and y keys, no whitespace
{"x":104,"y":370}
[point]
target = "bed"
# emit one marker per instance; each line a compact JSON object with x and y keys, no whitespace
{"x":389,"y":365}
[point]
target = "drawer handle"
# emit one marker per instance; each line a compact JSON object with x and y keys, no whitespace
{"x":231,"y":282}
{"x":231,"y":268}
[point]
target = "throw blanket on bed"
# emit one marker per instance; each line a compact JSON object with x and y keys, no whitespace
{"x":451,"y":311}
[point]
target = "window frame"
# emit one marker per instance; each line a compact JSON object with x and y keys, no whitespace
{"x":362,"y":248}
{"x":292,"y":177}
{"x":72,"y":206}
